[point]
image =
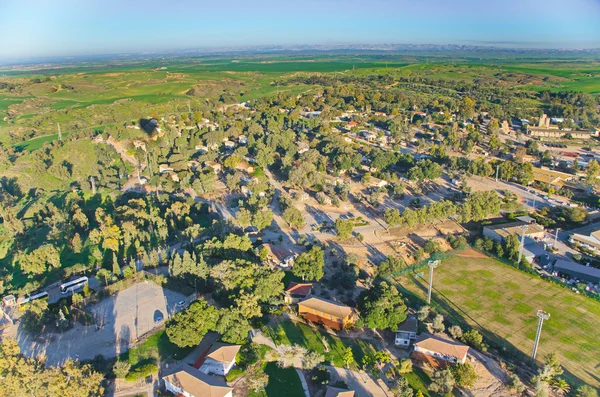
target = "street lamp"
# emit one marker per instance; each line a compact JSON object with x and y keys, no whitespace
{"x":432,"y":265}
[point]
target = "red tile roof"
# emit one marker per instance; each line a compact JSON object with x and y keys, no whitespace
{"x":299,"y":288}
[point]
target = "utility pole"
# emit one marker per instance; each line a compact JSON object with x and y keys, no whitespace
{"x":59,"y":133}
{"x":432,"y":265}
{"x":189,"y":108}
{"x":543,"y":316}
{"x":555,"y":238}
{"x":93,"y":182}
{"x":522,"y":245}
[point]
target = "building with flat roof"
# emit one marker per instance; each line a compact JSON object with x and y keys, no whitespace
{"x":501,"y":231}
{"x":591,"y":242}
{"x":575,"y":270}
{"x":553,"y":178}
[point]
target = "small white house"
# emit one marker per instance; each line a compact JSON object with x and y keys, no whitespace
{"x":220,"y":359}
{"x":190,"y":382}
{"x":407,"y":332}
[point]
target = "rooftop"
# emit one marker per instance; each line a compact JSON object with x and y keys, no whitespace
{"x":198,"y":384}
{"x":302,"y":289}
{"x":223,"y":353}
{"x":409,"y":325}
{"x":335,"y":309}
{"x":444,"y":346}
{"x":514,"y":228}
{"x":562,"y":264}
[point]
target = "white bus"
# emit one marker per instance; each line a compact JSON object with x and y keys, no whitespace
{"x":72,"y":286}
{"x":41,"y":295}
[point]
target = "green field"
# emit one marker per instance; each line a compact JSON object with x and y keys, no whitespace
{"x":502,"y":302}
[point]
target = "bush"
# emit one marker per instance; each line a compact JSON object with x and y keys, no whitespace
{"x":141,"y":372}
{"x":432,"y":246}
{"x":234,"y":373}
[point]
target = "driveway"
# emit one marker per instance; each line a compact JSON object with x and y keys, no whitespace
{"x":361,"y":383}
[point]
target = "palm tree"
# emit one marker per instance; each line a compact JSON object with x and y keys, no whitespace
{"x":561,"y":386}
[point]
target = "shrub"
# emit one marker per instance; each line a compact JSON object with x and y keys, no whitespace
{"x":141,"y":372}
{"x":234,"y":373}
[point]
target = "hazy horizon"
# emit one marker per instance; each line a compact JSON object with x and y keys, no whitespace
{"x":70,"y":28}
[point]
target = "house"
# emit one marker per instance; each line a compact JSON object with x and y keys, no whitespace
{"x":299,"y":195}
{"x":242,"y":139}
{"x":575,"y":270}
{"x":501,"y":231}
{"x":216,"y":167}
{"x":162,"y":168}
{"x":275,"y":255}
{"x":337,"y":392}
{"x":351,"y":124}
{"x":190,"y":382}
{"x":201,"y":149}
{"x":369,"y":136}
{"x":303,"y":147}
{"x":229,"y":144}
{"x":407,"y":331}
{"x":193,"y":165}
{"x":504,"y":127}
{"x":439,"y":348}
{"x":9,"y":300}
{"x":555,"y":132}
{"x":220,"y":359}
{"x":297,"y":291}
{"x":246,"y":167}
{"x":376,"y":182}
{"x":139,"y":145}
{"x":591,"y":242}
{"x":329,"y":313}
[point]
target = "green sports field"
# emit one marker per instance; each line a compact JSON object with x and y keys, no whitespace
{"x":502,"y":302}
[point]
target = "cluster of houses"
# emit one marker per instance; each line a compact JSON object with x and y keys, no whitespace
{"x":433,"y":350}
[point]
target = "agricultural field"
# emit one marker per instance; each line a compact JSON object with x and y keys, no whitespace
{"x":43,"y":97}
{"x":502,"y":302}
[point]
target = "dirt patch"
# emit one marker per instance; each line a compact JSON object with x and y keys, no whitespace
{"x":471,"y":253}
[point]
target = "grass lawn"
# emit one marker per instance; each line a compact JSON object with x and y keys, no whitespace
{"x":283,"y":381}
{"x":156,"y":346}
{"x":418,"y":380}
{"x":502,"y":302}
{"x":290,"y":333}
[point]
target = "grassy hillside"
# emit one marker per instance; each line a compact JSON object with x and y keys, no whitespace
{"x":502,"y":301}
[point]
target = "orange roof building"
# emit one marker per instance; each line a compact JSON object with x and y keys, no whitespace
{"x":442,"y":349}
{"x":332,"y":314}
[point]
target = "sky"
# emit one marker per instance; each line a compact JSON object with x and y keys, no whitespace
{"x":39,"y":28}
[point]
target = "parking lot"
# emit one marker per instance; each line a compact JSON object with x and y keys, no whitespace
{"x":120,"y":321}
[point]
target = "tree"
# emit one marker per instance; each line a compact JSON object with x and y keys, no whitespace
{"x":392,"y":217}
{"x":348,"y":357}
{"x":391,"y":265}
{"x":286,"y":355}
{"x":586,"y":391}
{"x":402,"y":388}
{"x":116,"y":269}
{"x":464,"y":374}
{"x":382,"y":307}
{"x":311,"y":360}
{"x":75,"y":244}
{"x":121,"y":369}
{"x":438,"y":323}
{"x":442,"y":382}
{"x":257,"y":381}
{"x":188,"y":327}
{"x":309,"y":265}
{"x":343,"y":228}
{"x":104,"y":276}
{"x":455,"y":331}
{"x":423,"y":313}
{"x":294,"y":217}
{"x":474,"y":339}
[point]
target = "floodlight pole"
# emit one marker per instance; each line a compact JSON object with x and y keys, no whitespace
{"x":543,"y":316}
{"x":432,"y":265}
{"x":522,"y":245}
